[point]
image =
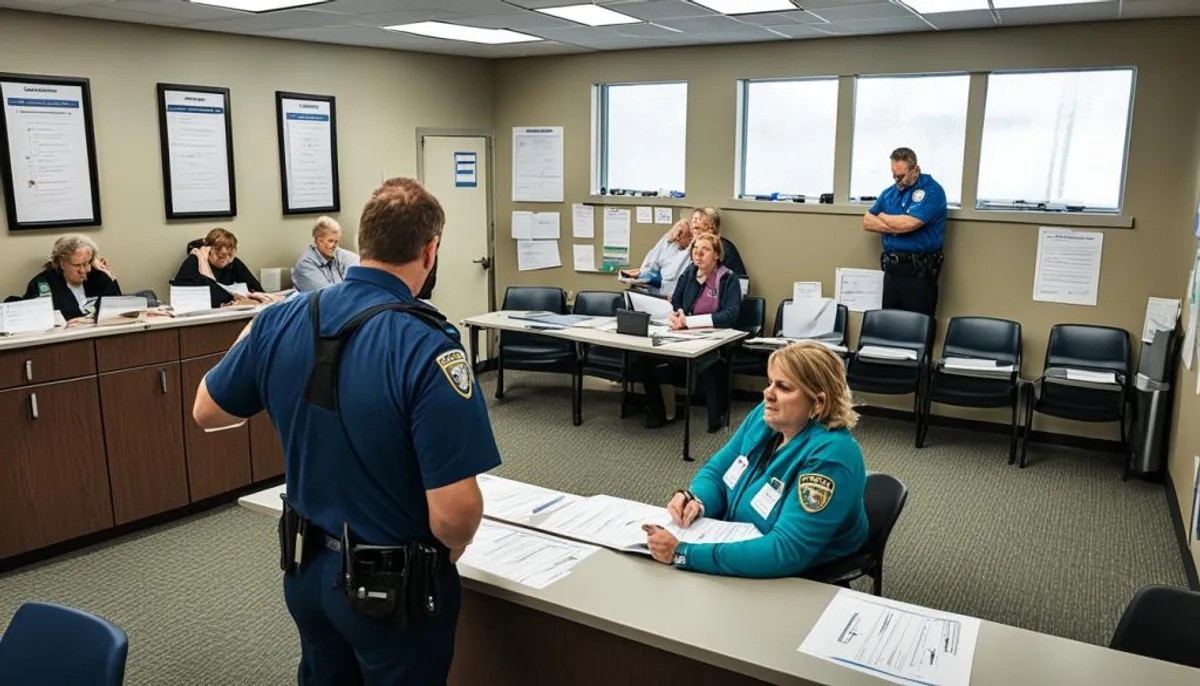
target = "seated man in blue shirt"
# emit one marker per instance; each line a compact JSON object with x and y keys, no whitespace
{"x":323,"y":262}
{"x":911,"y":216}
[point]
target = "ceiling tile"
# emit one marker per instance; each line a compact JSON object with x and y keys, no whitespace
{"x":580,"y":35}
{"x":973,"y":19}
{"x":390,"y":18}
{"x":656,"y":10}
{"x":811,"y":5}
{"x":517,"y":20}
{"x":1144,"y":9}
{"x":472,"y":7}
{"x":272,"y":21}
{"x":875,"y":10}
{"x":799,"y":31}
{"x":187,"y":11}
{"x":780,"y":18}
{"x":43,"y":5}
{"x":538,"y":4}
{"x":715,"y":24}
{"x":1095,"y":11}
{"x":108,"y":12}
{"x":869,"y":26}
{"x":745,"y":35}
{"x":645,"y":31}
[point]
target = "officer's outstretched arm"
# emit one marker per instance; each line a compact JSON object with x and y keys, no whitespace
{"x":455,"y":512}
{"x":208,"y":414}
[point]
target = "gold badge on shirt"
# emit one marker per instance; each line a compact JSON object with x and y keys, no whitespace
{"x":815,"y":492}
{"x":453,"y":364}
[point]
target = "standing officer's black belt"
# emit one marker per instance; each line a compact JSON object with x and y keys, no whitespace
{"x":923,"y":263}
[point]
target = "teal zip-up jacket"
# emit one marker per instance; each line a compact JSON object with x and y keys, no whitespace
{"x":820,"y":478}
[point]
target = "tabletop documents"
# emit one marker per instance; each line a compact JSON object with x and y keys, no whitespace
{"x":526,"y":557}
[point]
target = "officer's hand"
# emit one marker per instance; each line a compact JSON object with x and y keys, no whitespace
{"x":662,"y":543}
{"x":456,"y":553}
{"x":683,"y":511}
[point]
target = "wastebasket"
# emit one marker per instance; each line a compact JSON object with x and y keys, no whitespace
{"x":1152,"y":406}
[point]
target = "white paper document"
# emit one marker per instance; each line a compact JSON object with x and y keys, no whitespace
{"x":583,"y":221}
{"x":113,"y":306}
{"x":27,"y":316}
{"x":1091,"y":377}
{"x":537,"y":171}
{"x":1193,"y":299}
{"x":1068,"y":266}
{"x":47,"y":135}
{"x":585,"y":257}
{"x":645,"y":215}
{"x":662,"y":215}
{"x":616,"y":228}
{"x":976,"y":367}
{"x":1161,"y":315}
{"x":545,"y":226}
{"x":899,"y":642}
{"x":185,"y":299}
{"x":271,"y":279}
{"x":308,"y":153}
{"x":198,"y":154}
{"x":657,"y":308}
{"x":526,"y":557}
{"x":879,"y":352}
{"x":533,"y":255}
{"x":859,"y":289}
{"x":806,"y":289}
{"x":809,"y":318}
{"x":516,"y":501}
{"x":522,"y":225}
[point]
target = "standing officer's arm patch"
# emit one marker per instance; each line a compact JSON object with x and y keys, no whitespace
{"x":453,"y":364}
{"x":815,"y":492}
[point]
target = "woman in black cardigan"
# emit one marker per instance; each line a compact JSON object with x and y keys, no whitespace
{"x":75,"y":278}
{"x":707,"y":295}
{"x":215,"y":264}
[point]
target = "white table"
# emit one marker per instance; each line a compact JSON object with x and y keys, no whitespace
{"x":687,"y":350}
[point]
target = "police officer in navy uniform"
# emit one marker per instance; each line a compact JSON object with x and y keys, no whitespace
{"x":385,"y":430}
{"x":911,"y":216}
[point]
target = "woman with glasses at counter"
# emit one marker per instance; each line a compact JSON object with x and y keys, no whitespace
{"x":215,"y":264}
{"x":75,"y":278}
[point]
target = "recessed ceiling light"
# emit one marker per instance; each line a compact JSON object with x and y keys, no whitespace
{"x":470,"y":34}
{"x":592,"y":15}
{"x":936,"y":6}
{"x":257,"y":6}
{"x":747,"y":6}
{"x":1014,"y":4}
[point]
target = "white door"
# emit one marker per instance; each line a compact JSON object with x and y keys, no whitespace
{"x":455,"y":170}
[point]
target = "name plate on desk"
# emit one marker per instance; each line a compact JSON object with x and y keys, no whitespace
{"x":27,"y":316}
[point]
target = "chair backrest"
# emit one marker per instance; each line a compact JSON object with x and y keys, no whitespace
{"x":52,"y":644}
{"x":150,"y":296}
{"x":752,"y":315}
{"x":598,"y":303}
{"x":984,"y":337}
{"x":839,"y":322}
{"x":535,"y":298}
{"x":1088,"y":346}
{"x":896,"y":329}
{"x":884,"y":500}
{"x":1160,"y":622}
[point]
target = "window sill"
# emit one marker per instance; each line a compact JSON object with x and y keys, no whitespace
{"x":1070,"y":219}
{"x":635,"y":200}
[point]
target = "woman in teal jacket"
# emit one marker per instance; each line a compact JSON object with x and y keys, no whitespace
{"x":792,"y":469}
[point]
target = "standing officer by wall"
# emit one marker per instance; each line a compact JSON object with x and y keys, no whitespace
{"x":384,"y":429}
{"x":911,"y":215}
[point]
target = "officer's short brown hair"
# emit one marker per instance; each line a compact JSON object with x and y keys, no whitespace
{"x":905,"y":155}
{"x":399,"y":221}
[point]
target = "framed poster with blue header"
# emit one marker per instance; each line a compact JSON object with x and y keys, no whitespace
{"x":465,"y":170}
{"x":196,"y":137}
{"x":308,"y":158}
{"x":48,"y":152}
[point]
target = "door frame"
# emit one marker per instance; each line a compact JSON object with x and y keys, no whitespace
{"x":490,"y":145}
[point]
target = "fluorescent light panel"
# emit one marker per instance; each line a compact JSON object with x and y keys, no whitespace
{"x":591,"y":15}
{"x":1014,"y":4}
{"x":469,"y":34}
{"x":937,"y":6}
{"x":747,"y":6}
{"x":258,"y":5}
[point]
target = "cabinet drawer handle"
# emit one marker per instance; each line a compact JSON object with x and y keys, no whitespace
{"x":28,"y":370}
{"x":162,"y":375}
{"x":33,"y":410}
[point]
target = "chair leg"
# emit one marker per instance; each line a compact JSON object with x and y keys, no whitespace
{"x":624,"y":383}
{"x":926,"y":413}
{"x":500,"y":377}
{"x":1125,"y":450}
{"x":577,"y":397}
{"x":1029,"y":400}
{"x":1012,"y":441}
{"x":917,"y":415}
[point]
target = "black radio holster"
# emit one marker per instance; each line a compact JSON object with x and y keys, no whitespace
{"x":393,"y":584}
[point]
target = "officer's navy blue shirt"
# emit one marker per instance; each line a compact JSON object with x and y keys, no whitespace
{"x":415,"y":414}
{"x":926,"y":201}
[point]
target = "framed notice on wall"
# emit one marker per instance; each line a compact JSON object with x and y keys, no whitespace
{"x":308,"y":159}
{"x":48,"y":152}
{"x":196,"y":136}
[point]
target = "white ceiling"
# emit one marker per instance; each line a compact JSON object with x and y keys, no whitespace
{"x":668,"y":22}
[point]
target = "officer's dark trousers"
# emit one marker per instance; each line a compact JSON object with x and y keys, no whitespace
{"x":339,"y":647}
{"x":711,"y":379}
{"x":904,"y":289}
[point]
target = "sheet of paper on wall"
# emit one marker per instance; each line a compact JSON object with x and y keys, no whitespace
{"x":27,"y":316}
{"x":522,"y":225}
{"x":583,"y":221}
{"x":806,"y":289}
{"x":809,"y":318}
{"x":271,"y":279}
{"x":645,"y":215}
{"x":1068,"y":266}
{"x":532,"y":255}
{"x":1193,"y":298}
{"x":185,"y":299}
{"x":899,"y":642}
{"x":585,"y":257}
{"x":537,"y":166}
{"x":527,"y":557}
{"x":859,"y":289}
{"x":1162,"y":314}
{"x":616,"y":238}
{"x":546,"y":226}
{"x":662,"y":215}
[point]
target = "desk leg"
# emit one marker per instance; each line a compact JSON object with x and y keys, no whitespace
{"x":624,"y":382}
{"x":687,"y":410}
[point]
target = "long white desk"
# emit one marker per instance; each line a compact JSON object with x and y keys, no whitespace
{"x":622,"y":618}
{"x":687,"y":350}
{"x":77,"y":333}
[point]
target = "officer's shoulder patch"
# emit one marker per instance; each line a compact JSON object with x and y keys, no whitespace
{"x":43,"y":289}
{"x":815,"y":491}
{"x":919,"y":195}
{"x":453,"y":364}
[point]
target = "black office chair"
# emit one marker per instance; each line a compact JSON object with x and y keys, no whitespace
{"x":838,"y":337}
{"x":1160,"y":622}
{"x":981,"y":338}
{"x":884,"y":500}
{"x":192,"y":245}
{"x":752,"y":318}
{"x":596,"y":360}
{"x":151,"y":298}
{"x":531,"y":352}
{"x":13,"y":299}
{"x":1085,"y":347}
{"x":893,"y":329}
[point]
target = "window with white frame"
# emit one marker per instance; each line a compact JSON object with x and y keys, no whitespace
{"x":1055,"y":140}
{"x":642,"y":136}
{"x":788,"y":128}
{"x":927,"y":113}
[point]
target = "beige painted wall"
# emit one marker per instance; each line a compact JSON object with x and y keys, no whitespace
{"x":990,"y":264}
{"x":382,"y":97}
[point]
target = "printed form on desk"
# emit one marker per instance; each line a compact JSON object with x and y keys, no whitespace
{"x":526,"y":557}
{"x":902,"y":643}
{"x":517,"y":501}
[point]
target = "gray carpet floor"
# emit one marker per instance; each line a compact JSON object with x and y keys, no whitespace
{"x":1058,"y":547}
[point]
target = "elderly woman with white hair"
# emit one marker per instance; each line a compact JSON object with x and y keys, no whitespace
{"x":323,"y":263}
{"x":75,"y":278}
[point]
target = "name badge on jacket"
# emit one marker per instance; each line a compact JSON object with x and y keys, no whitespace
{"x":767,"y":497}
{"x":736,"y":470}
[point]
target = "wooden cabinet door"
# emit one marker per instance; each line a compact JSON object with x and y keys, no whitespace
{"x":219,"y":461}
{"x":53,"y":477}
{"x":266,"y":450}
{"x":143,"y":431}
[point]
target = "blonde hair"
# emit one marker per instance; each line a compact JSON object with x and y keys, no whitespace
{"x":326,"y":225}
{"x":66,"y":247}
{"x":711,"y":214}
{"x":713,"y":242}
{"x":817,"y":370}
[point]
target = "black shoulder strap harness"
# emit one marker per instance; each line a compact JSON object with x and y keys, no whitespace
{"x":322,"y":388}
